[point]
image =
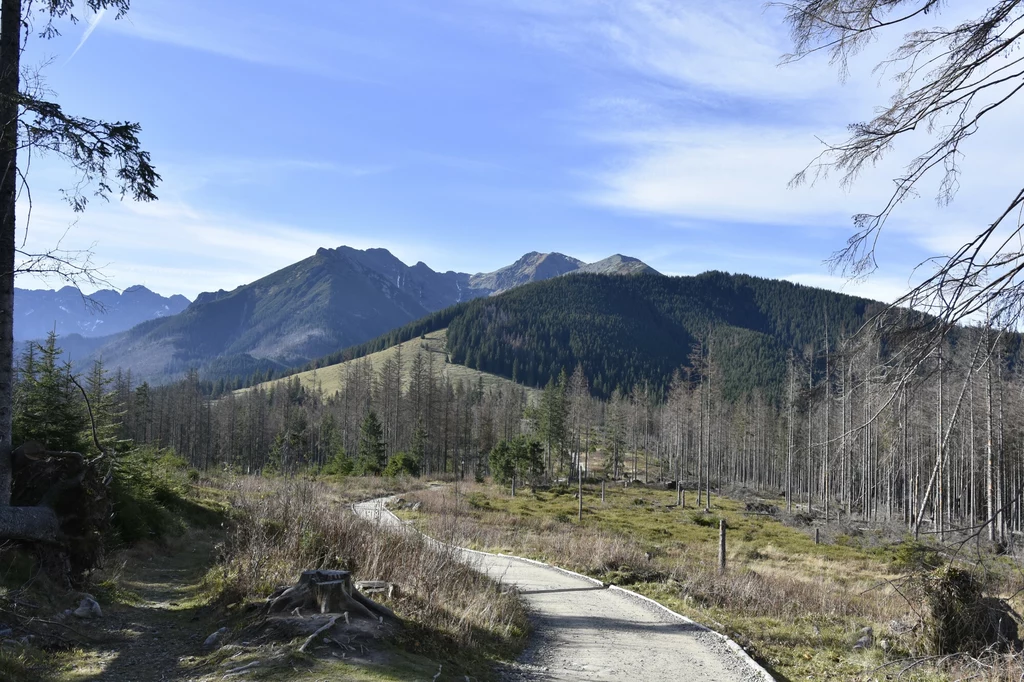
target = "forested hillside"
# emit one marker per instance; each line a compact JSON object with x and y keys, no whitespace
{"x":630,"y":331}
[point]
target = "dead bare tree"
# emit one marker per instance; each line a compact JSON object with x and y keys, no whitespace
{"x":948,"y":80}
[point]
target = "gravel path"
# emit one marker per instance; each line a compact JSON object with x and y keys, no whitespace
{"x":585,"y":631}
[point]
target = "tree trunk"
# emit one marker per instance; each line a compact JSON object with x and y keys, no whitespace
{"x":10,"y":63}
{"x":38,"y":524}
{"x":989,"y":478}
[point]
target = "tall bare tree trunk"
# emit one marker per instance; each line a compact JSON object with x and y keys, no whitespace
{"x":826,"y":466}
{"x":10,"y":64}
{"x":990,"y":506}
{"x":789,"y":457}
{"x":940,"y":493}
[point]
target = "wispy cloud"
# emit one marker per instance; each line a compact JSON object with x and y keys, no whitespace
{"x":175,"y":247}
{"x":879,"y":288}
{"x":94,"y":21}
{"x":270,"y":35}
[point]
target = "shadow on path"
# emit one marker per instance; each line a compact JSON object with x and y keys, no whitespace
{"x":565,"y":589}
{"x":605,"y":623}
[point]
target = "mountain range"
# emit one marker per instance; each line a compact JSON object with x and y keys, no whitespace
{"x":66,"y":311}
{"x":334,"y":299}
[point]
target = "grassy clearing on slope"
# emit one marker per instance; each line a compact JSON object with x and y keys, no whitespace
{"x":796,"y":606}
{"x":331,"y":379}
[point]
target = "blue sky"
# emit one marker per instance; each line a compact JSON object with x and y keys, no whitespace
{"x":465,"y":133}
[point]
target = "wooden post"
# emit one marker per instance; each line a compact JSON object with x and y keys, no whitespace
{"x":682,"y":499}
{"x":721,"y":546}
{"x":602,"y":490}
{"x":679,"y":493}
{"x":579,"y":477}
{"x":816,"y":538}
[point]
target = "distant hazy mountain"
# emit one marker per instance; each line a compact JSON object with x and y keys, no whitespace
{"x":37,"y":312}
{"x":532,"y":267}
{"x":331,"y":300}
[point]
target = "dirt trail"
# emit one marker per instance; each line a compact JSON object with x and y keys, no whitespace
{"x":584,"y":631}
{"x":155,"y":637}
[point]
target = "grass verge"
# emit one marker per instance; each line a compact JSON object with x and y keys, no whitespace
{"x":453,"y":616}
{"x":796,"y":606}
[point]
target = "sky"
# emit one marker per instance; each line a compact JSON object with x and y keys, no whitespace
{"x":465,"y":133}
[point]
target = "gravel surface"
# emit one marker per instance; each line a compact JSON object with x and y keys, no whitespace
{"x":586,"y":631}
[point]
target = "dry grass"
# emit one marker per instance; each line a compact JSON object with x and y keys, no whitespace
{"x":283,"y":527}
{"x":797,"y":606}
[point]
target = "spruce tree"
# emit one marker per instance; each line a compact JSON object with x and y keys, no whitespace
{"x":107,"y":413}
{"x":372,"y":458}
{"x":50,"y":409}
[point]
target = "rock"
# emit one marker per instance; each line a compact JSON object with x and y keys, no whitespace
{"x":214,"y":639}
{"x":88,"y":608}
{"x":866,"y":640}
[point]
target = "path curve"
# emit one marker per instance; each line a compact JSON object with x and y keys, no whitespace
{"x":586,"y":631}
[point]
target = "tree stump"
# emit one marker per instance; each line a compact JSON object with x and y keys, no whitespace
{"x":324,"y":591}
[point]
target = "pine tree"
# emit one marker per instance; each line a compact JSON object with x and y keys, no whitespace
{"x":372,"y":449}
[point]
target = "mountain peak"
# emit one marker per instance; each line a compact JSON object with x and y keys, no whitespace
{"x":618,"y":264}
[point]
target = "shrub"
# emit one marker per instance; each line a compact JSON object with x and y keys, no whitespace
{"x":339,"y":464}
{"x":961,"y":619}
{"x":149,"y":496}
{"x":704,"y":520}
{"x":911,"y":555}
{"x":402,"y":463}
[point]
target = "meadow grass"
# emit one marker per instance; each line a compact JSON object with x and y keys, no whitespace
{"x":330,"y":379}
{"x":797,"y":606}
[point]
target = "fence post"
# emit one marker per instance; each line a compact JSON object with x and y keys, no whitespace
{"x":721,"y":546}
{"x":579,"y":493}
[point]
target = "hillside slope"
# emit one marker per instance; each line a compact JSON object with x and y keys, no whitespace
{"x":628,"y":331}
{"x":431,"y":347}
